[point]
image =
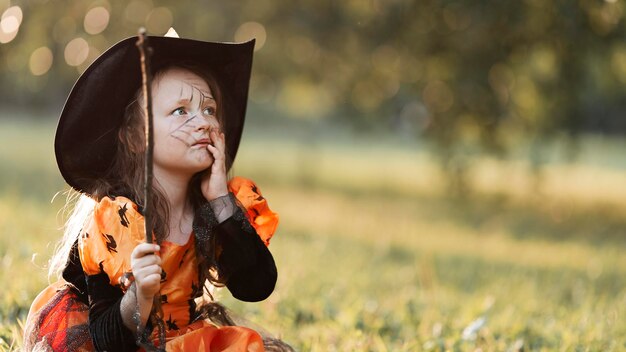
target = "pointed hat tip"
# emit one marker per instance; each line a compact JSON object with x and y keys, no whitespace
{"x":172,"y":33}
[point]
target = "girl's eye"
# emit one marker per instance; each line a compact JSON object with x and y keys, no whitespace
{"x":178,"y":111}
{"x":209,"y":111}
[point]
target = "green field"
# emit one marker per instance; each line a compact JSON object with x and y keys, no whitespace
{"x":373,"y":255}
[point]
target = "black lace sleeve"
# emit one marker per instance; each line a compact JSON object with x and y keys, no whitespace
{"x":106,"y":326}
{"x":244,"y":258}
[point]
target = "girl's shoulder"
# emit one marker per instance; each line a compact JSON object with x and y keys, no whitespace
{"x":109,"y":203}
{"x":115,"y":214}
{"x":259,"y":214}
{"x":245,"y":190}
{"x":109,"y":235}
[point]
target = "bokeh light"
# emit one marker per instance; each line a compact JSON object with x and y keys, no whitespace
{"x":411,"y":69}
{"x":76,"y":51}
{"x":501,"y":79}
{"x":456,"y":17}
{"x":437,"y":96}
{"x":92,"y":54}
{"x":159,"y":20}
{"x":13,"y":11}
{"x":386,"y":62}
{"x":96,"y":20}
{"x":525,"y":95}
{"x":618,"y":62}
{"x":367,"y":95}
{"x":386,"y":59}
{"x":605,"y":17}
{"x":10,"y":24}
{"x":40,"y":61}
{"x":543,"y":61}
{"x":250,"y":30}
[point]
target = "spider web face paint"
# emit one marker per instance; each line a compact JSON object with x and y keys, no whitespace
{"x":196,"y":100}
{"x":184,"y":116}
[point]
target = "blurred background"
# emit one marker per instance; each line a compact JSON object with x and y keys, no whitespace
{"x":450,"y":175}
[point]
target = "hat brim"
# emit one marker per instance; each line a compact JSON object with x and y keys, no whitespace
{"x":86,"y":137}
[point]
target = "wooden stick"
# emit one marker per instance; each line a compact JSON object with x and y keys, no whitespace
{"x":146,"y":76}
{"x":156,"y":315}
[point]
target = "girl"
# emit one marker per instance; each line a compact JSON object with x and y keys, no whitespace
{"x":208,"y":231}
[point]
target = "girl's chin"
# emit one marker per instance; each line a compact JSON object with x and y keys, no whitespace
{"x":205,"y":165}
{"x":202,"y":166}
{"x":201,"y":156}
{"x":190,"y":168}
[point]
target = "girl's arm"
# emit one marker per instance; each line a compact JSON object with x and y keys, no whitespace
{"x":249,"y":265}
{"x":245,"y":259}
{"x":107,"y":328}
{"x":111,"y":321}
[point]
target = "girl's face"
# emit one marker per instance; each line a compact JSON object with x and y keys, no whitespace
{"x":184,"y":112}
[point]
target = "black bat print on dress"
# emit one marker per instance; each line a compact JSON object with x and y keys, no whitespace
{"x":122,"y":213}
{"x":171,"y":324}
{"x":255,"y":190}
{"x":110,"y":241}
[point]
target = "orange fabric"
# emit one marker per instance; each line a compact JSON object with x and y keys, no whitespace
{"x":203,"y":336}
{"x":109,"y":236}
{"x":62,"y":324}
{"x":261,"y":217}
{"x":44,"y":297}
{"x":106,"y":241}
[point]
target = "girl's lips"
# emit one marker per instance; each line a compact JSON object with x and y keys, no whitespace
{"x":203,"y":142}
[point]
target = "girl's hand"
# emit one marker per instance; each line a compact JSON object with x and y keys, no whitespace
{"x":214,"y":182}
{"x":146,"y":266}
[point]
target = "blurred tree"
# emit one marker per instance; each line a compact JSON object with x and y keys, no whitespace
{"x":457,"y":73}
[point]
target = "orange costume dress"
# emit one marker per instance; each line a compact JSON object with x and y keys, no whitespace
{"x":59,"y":318}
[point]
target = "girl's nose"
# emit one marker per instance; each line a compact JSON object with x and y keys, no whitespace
{"x":206,"y":123}
{"x":203,"y":123}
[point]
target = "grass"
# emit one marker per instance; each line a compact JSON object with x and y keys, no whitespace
{"x":372,"y":253}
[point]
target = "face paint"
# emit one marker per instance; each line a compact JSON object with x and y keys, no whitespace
{"x":185,"y":115}
{"x":179,"y":133}
{"x":183,"y":132}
